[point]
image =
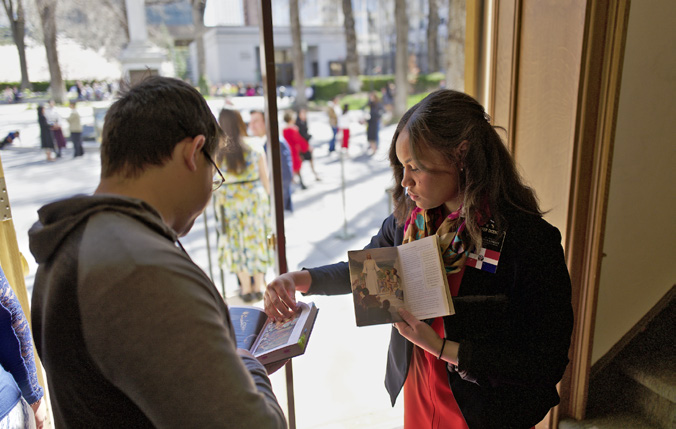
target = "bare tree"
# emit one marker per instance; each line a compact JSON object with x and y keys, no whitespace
{"x":401,"y":59}
{"x":455,"y":46}
{"x":77,"y":18}
{"x":47,"y":11}
{"x":17,"y":22}
{"x":432,"y":37}
{"x":351,"y":59}
{"x":297,"y":52}
{"x":198,"y":7}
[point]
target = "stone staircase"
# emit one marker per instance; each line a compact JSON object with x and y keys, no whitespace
{"x":637,"y":389}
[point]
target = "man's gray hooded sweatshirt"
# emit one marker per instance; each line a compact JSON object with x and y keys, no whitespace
{"x":131,"y":332}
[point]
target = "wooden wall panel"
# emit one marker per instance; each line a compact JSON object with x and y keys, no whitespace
{"x":548,"y":78}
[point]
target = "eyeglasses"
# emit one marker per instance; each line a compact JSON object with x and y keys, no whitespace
{"x":218,"y":178}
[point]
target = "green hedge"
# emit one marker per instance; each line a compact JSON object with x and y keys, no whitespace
{"x":327,"y":88}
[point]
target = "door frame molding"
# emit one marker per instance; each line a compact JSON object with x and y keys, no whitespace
{"x":598,"y":99}
{"x":602,"y":57}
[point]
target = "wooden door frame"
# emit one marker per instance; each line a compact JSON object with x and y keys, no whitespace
{"x":598,"y":100}
{"x":602,"y":56}
{"x":278,"y":239}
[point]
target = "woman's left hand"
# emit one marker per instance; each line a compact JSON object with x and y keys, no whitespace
{"x":419,"y":333}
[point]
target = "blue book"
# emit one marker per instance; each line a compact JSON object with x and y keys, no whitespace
{"x":271,"y":341}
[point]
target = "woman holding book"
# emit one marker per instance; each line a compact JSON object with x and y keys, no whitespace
{"x":495,"y":363}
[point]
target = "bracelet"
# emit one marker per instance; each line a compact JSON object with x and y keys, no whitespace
{"x":443,"y":344}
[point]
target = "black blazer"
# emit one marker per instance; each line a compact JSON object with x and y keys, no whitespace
{"x":513,"y":326}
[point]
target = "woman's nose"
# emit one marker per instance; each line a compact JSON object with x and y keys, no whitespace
{"x":406,"y":180}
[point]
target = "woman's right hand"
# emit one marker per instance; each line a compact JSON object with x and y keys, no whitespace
{"x":280,"y":295}
{"x":40,"y":412}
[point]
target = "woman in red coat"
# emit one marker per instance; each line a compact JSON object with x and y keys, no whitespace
{"x":297,"y":144}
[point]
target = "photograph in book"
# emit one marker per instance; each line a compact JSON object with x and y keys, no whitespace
{"x":410,"y":276}
{"x":271,"y":341}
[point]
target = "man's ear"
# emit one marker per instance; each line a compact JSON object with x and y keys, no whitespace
{"x":192,"y":150}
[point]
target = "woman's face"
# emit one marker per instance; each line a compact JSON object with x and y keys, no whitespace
{"x":434,"y":187}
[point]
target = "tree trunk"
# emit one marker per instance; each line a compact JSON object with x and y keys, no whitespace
{"x":47,"y":10}
{"x":432,"y":37}
{"x":401,"y":59}
{"x":351,"y":60}
{"x":455,"y":46}
{"x":198,"y":7}
{"x":17,"y":22}
{"x":297,"y":51}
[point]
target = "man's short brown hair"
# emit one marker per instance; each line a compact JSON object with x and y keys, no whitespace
{"x":145,"y":124}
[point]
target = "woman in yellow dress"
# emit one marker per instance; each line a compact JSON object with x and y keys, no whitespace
{"x":244,"y":204}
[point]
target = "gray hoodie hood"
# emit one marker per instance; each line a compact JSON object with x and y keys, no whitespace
{"x":58,"y":219}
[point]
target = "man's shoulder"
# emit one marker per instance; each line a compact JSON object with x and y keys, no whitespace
{"x":116,"y":239}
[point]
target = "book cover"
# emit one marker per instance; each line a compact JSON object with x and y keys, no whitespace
{"x":409,"y":276}
{"x":271,"y":341}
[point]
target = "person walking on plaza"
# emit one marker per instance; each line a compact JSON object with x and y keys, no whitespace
{"x":297,"y":144}
{"x":301,"y":123}
{"x":46,"y":138}
{"x":131,"y":332}
{"x":54,"y":120}
{"x":245,"y":202}
{"x":373,"y":122}
{"x":75,"y":125}
{"x":344,"y":122}
{"x":333,"y":123}
{"x":496,"y":362}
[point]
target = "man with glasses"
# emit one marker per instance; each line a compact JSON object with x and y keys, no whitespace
{"x":131,"y":332}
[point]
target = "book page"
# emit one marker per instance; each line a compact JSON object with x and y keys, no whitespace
{"x":276,"y":335}
{"x":376,"y":285}
{"x":247,"y":322}
{"x":425,"y":285}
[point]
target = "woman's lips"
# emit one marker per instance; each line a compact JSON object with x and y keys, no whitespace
{"x":412,"y":196}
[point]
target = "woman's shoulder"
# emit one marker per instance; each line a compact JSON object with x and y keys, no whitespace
{"x":523,"y":227}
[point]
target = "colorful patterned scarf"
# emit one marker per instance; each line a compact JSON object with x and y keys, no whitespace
{"x":423,"y":223}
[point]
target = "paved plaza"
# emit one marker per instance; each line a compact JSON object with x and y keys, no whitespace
{"x":339,"y":381}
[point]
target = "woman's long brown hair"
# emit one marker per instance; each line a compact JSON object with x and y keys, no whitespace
{"x":233,"y":126}
{"x":489,"y":182}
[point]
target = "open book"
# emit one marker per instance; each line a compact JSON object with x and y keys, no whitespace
{"x":271,"y":341}
{"x":411,"y":276}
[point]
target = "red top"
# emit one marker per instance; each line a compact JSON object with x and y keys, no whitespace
{"x":428,"y":399}
{"x":297,"y":144}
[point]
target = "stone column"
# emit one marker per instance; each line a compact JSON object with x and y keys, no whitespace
{"x":139,"y":58}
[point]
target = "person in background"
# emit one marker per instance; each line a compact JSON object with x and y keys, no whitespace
{"x":46,"y":138}
{"x":9,"y":138}
{"x":131,"y":332}
{"x":496,"y":362}
{"x":245,"y":202}
{"x":333,"y":123}
{"x":54,"y":120}
{"x":297,"y":144}
{"x":257,"y":128}
{"x":75,"y":126}
{"x":344,"y":122}
{"x":301,"y":123}
{"x":373,"y":122}
{"x":21,"y":404}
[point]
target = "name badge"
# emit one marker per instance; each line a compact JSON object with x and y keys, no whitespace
{"x":488,"y":257}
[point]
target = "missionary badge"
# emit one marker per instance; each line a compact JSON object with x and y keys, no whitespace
{"x":487,"y":258}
